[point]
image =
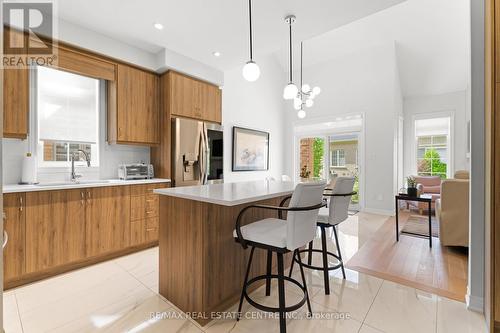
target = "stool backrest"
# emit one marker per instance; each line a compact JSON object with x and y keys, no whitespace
{"x":301,"y":225}
{"x":339,"y":206}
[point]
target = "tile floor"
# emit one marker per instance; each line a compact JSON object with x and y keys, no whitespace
{"x":122,"y":296}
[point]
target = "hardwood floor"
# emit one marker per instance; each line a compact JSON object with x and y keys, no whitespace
{"x":441,"y":270}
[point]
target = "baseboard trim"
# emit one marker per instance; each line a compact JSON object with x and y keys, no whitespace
{"x":378,"y":211}
{"x":474,"y":303}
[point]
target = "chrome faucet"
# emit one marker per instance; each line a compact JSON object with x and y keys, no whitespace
{"x":74,"y":176}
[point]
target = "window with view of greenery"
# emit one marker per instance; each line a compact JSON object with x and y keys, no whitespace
{"x":432,"y":155}
{"x":318,"y":153}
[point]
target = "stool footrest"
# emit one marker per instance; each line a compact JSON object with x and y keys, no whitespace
{"x":318,"y":268}
{"x":274,"y":309}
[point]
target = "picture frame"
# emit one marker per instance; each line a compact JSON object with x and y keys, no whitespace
{"x":250,"y":150}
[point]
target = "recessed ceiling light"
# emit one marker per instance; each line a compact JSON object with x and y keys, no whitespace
{"x":158,"y":26}
{"x":216,"y":54}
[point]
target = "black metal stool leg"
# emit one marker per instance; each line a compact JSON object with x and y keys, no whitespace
{"x":338,"y":250}
{"x":281,"y":293}
{"x":293,"y":262}
{"x":304,"y":281}
{"x":269,"y":267}
{"x":245,"y":283}
{"x":325,"y":261}
{"x":310,"y":254}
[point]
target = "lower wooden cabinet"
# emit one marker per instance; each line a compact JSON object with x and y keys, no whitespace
{"x":53,"y":231}
{"x":55,"y":228}
{"x":15,"y":226}
{"x":144,"y":212}
{"x":108,"y":210}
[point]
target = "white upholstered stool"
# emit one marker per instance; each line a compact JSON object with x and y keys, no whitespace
{"x":340,"y":198}
{"x":281,"y":236}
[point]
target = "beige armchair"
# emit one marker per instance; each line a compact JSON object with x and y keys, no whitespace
{"x":452,"y":210}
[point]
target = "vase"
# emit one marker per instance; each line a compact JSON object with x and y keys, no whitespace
{"x":412,"y":191}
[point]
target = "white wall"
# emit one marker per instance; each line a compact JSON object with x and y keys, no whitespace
{"x":456,"y":104}
{"x":363,"y":82}
{"x":257,"y":105}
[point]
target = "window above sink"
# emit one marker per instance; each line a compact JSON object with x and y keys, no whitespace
{"x":66,"y":117}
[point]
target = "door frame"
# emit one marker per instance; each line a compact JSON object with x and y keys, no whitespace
{"x":326,"y":132}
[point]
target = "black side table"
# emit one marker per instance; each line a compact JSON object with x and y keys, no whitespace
{"x":423,"y":198}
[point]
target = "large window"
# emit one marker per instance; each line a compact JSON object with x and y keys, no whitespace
{"x":67,"y":117}
{"x":432,"y":141}
{"x":338,"y":158}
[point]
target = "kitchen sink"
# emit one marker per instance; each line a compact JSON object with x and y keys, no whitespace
{"x":69,"y":183}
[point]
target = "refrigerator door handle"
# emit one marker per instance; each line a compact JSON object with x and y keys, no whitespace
{"x":206,"y":163}
{"x":200,"y":159}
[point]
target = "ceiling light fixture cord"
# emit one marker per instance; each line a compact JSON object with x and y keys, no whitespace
{"x":290,"y":27}
{"x":301,"y":56}
{"x":250,"y":16}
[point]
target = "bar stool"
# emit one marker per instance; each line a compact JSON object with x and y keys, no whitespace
{"x":340,"y":198}
{"x":281,"y":236}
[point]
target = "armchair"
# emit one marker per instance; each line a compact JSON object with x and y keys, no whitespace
{"x":452,"y":210}
{"x":428,"y":185}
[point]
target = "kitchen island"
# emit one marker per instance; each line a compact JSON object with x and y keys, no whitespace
{"x":201,"y":266}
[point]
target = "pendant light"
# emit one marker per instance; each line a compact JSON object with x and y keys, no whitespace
{"x":291,"y":90}
{"x":306,"y":95}
{"x":251,"y":70}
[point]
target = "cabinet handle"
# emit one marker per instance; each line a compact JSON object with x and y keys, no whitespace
{"x":149,"y":212}
{"x":150,"y":229}
{"x":5,"y":239}
{"x":88,"y":197}
{"x":20,"y":203}
{"x":83,"y":198}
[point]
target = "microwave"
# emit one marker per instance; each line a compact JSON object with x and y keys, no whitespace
{"x":135,"y":171}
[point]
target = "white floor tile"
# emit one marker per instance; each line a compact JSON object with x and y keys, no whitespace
{"x":353,"y":295}
{"x":453,"y":317}
{"x":399,"y":308}
{"x":11,"y":319}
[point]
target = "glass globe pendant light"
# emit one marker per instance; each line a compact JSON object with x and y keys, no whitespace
{"x":291,"y":90}
{"x":251,"y":70}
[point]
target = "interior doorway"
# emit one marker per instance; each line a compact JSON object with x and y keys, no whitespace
{"x":329,"y":149}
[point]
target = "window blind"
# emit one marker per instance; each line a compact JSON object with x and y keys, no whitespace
{"x":67,"y":107}
{"x":433,"y":126}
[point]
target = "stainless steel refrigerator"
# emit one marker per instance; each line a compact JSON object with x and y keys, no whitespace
{"x":197,"y":152}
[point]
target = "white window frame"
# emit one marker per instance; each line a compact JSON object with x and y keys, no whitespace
{"x":338,"y":158}
{"x":36,"y":146}
{"x":451,"y":139}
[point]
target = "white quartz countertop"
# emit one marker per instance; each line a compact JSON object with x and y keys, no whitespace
{"x":13,"y":188}
{"x":231,"y":194}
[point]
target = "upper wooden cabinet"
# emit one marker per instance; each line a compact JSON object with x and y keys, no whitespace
{"x":133,"y":107}
{"x":192,"y":98}
{"x":15,"y":94}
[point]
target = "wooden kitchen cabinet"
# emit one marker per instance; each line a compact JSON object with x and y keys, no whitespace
{"x":108,"y":210}
{"x":15,"y":227}
{"x":55,"y":228}
{"x":133,"y":107}
{"x":192,"y":98}
{"x":144,"y":213}
{"x":15,"y":92}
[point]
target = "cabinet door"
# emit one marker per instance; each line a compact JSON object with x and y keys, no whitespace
{"x":108,"y":219}
{"x":55,"y":228}
{"x":15,"y":94}
{"x":15,"y":227}
{"x":137,"y":106}
{"x":182,"y":95}
{"x":213,"y":106}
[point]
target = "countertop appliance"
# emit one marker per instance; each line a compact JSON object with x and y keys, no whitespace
{"x":197,"y":152}
{"x":135,"y":171}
